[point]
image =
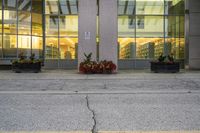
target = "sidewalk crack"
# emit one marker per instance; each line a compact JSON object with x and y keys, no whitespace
{"x":94,"y":130}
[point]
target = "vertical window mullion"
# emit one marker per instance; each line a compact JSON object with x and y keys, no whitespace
{"x":17,"y":28}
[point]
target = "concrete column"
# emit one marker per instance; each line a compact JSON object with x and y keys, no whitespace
{"x":87,"y":29}
{"x":194,"y":34}
{"x":108,"y":30}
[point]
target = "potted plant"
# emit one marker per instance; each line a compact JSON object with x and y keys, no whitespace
{"x":165,"y":64}
{"x":26,"y":65}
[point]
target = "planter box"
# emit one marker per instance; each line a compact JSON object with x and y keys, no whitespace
{"x":162,"y":67}
{"x":26,"y":67}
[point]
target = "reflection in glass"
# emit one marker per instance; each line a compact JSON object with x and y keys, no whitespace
{"x":172,"y":28}
{"x":10,"y":4}
{"x":1,"y":4}
{"x":24,"y":45}
{"x":126,"y":7}
{"x":37,"y":46}
{"x":1,"y":46}
{"x":68,"y":48}
{"x":10,"y":22}
{"x":24,"y":23}
{"x":52,"y":51}
{"x":174,"y":7}
{"x":37,"y":6}
{"x":36,"y":24}
{"x":68,"y":25}
{"x":150,"y":7}
{"x":51,"y":25}
{"x":126,"y":26}
{"x":24,"y":5}
{"x":149,"y":26}
{"x":9,"y":46}
{"x":68,"y":7}
{"x":176,"y":46}
{"x":51,"y":7}
{"x":1,"y":21}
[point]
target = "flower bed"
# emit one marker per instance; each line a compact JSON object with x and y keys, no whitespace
{"x":93,"y":67}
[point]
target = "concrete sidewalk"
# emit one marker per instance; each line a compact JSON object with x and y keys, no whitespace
{"x":70,"y":82}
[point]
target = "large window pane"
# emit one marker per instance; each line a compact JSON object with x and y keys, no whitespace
{"x":9,"y":46}
{"x":36,"y":24}
{"x":175,"y":46}
{"x":24,"y":5}
{"x":51,"y":49}
{"x":51,"y":6}
{"x":68,"y":25}
{"x":0,"y":45}
{"x":174,"y":7}
{"x":127,"y":47}
{"x":10,"y":22}
{"x":1,"y":4}
{"x":51,"y":25}
{"x":10,"y":4}
{"x":172,"y":28}
{"x":149,"y":26}
{"x":24,"y":45}
{"x":149,"y":47}
{"x":37,"y":6}
{"x":68,"y":7}
{"x":126,"y":26}
{"x":24,"y":23}
{"x":0,"y":21}
{"x":150,"y":7}
{"x":68,"y":48}
{"x":126,"y":7}
{"x":37,"y":46}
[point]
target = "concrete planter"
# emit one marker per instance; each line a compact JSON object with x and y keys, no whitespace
{"x":26,"y":67}
{"x":163,"y":67}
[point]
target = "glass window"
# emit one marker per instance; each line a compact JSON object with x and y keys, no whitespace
{"x":10,"y":22}
{"x":24,"y":5}
{"x":126,"y":26}
{"x":0,"y":21}
{"x":24,"y":23}
{"x":149,"y":7}
{"x":37,"y":6}
{"x":68,"y":7}
{"x":174,"y":7}
{"x":51,"y":25}
{"x":126,"y":7}
{"x":68,"y":25}
{"x":0,"y":45}
{"x":1,"y":4}
{"x":10,"y":46}
{"x":51,"y":48}
{"x":36,"y":24}
{"x":172,"y":28}
{"x":149,"y":26}
{"x":68,"y":48}
{"x":127,"y":48}
{"x":149,"y":48}
{"x":10,"y":4}
{"x":51,"y":6}
{"x":37,"y":46}
{"x":24,"y":45}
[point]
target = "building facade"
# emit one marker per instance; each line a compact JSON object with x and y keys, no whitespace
{"x":128,"y":32}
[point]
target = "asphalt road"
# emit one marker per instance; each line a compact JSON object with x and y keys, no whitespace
{"x":137,"y":102}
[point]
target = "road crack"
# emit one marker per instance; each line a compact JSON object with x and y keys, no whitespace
{"x":94,"y":130}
